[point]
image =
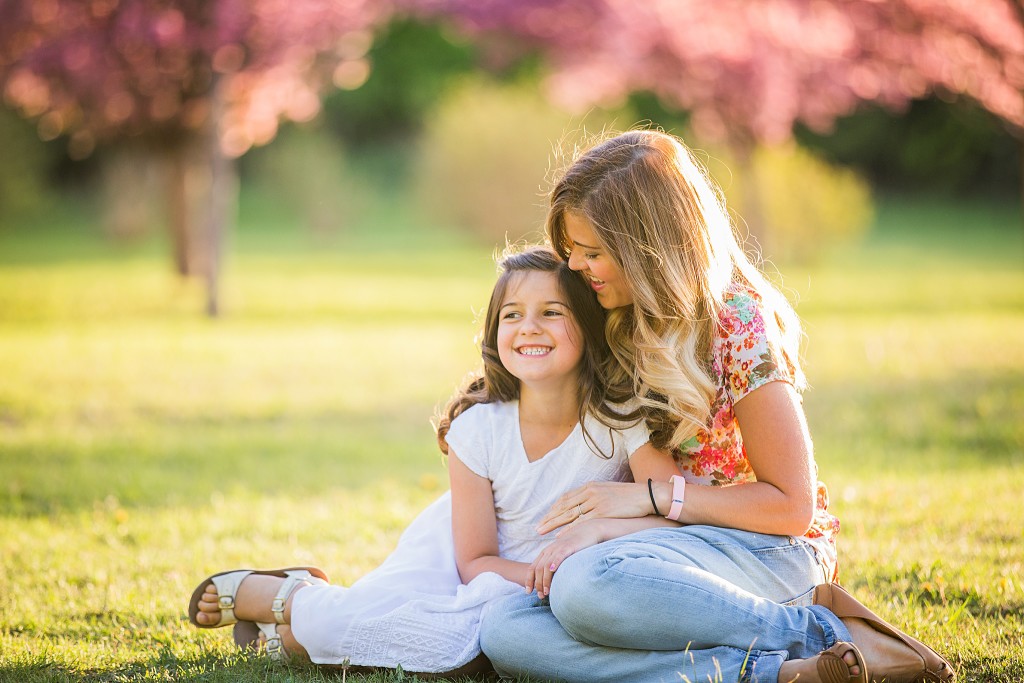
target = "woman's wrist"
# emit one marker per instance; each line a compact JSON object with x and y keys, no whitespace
{"x":663,"y":496}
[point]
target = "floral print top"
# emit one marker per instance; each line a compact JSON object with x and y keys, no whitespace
{"x":743,"y":361}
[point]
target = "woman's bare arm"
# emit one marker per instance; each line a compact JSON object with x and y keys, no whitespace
{"x":781,"y":501}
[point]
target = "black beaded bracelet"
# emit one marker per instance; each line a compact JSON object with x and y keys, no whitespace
{"x":650,"y":490}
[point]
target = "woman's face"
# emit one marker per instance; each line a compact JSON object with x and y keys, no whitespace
{"x":592,"y":260}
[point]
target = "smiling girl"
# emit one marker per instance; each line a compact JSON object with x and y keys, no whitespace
{"x":538,"y":422}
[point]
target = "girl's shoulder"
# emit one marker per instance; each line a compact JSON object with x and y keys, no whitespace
{"x":480,"y":431}
{"x":481,"y":415}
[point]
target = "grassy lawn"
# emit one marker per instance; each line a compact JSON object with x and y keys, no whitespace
{"x":143,"y":447}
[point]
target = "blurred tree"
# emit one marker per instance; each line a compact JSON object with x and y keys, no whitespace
{"x":480,"y":158}
{"x":938,"y":146}
{"x":414,"y":63}
{"x":200,"y":81}
{"x":23,"y":170}
{"x":414,"y":66}
{"x":747,"y":72}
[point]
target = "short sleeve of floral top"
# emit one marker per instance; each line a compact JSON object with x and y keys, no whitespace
{"x":742,"y":362}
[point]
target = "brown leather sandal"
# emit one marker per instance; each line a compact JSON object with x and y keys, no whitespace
{"x":934,"y":669}
{"x":832,"y":668}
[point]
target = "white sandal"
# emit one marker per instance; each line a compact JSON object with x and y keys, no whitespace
{"x":227,"y":584}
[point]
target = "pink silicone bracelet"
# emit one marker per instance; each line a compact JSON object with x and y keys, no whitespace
{"x":678,"y":495}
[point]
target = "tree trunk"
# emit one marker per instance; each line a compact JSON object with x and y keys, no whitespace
{"x":221,"y":196}
{"x":129,"y":182}
{"x":179,"y":207}
{"x":202,"y":191}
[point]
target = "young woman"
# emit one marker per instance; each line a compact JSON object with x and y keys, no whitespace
{"x":537,"y":423}
{"x":741,"y":591}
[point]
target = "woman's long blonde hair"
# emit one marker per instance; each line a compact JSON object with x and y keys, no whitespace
{"x":661,"y":219}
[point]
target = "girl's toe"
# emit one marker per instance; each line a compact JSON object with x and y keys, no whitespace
{"x":209,"y":613}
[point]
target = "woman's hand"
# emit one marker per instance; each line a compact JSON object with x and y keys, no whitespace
{"x":598,"y":499}
{"x":572,"y":539}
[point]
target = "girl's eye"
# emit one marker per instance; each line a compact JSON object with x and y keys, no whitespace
{"x":511,"y":315}
{"x":553,"y":313}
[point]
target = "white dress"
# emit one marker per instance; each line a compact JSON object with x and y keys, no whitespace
{"x":413,"y":610}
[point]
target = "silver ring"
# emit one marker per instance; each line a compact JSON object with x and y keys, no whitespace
{"x":579,"y":510}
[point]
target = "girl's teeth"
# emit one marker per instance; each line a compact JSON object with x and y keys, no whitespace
{"x":534,"y":350}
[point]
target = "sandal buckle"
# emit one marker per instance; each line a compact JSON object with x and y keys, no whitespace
{"x":226,"y":602}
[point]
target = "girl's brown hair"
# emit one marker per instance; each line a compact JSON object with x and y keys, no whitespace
{"x":498,"y":384}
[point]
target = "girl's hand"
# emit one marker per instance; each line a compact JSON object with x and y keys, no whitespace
{"x":572,"y":539}
{"x":599,"y":499}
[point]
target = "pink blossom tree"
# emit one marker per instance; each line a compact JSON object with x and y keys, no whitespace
{"x":200,"y":81}
{"x":748,"y":70}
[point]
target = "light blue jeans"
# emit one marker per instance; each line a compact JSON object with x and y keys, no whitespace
{"x":693,"y":603}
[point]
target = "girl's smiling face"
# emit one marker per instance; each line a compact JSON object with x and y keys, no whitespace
{"x":588,"y":257}
{"x":538,"y":339}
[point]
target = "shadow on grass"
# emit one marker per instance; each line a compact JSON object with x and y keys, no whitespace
{"x":185,"y":462}
{"x":967,"y":423}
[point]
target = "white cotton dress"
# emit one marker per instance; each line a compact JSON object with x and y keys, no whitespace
{"x":413,"y":611}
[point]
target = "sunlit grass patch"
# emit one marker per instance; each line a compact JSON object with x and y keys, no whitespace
{"x":143,"y":446}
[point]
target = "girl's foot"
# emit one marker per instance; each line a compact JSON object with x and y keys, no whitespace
{"x":841,"y":663}
{"x":259,"y":596}
{"x":250,"y":635}
{"x":253,"y":600}
{"x":258,"y":603}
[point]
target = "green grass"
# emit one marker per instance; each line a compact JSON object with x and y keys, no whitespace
{"x":143,"y":446}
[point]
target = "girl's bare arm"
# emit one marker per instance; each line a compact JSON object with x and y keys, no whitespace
{"x":475,"y":526}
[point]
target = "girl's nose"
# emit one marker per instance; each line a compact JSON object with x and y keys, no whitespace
{"x":530,"y":325}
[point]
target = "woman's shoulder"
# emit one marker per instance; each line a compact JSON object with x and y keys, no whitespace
{"x":745,"y":349}
{"x":742,"y":308}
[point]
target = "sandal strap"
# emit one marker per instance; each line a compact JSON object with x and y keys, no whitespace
{"x":832,"y":668}
{"x":274,"y":647}
{"x":227,"y":586}
{"x":293,"y":580}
